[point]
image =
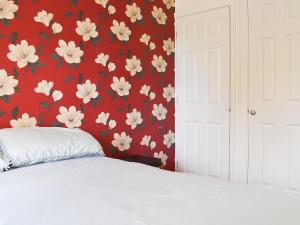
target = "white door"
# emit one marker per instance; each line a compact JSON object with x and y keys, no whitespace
{"x":203,"y":90}
{"x":274,"y":122}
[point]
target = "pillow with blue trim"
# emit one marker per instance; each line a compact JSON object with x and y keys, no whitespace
{"x":28,"y":146}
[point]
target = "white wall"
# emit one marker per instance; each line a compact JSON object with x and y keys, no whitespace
{"x":239,"y":78}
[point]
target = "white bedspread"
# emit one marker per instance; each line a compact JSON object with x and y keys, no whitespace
{"x":103,"y":191}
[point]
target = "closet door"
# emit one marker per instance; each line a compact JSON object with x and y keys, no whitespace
{"x":274,"y":116}
{"x":203,"y":89}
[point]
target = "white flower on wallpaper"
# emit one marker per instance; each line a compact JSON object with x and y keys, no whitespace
{"x":7,"y":84}
{"x":102,"y":118}
{"x":121,"y":86}
{"x":120,"y":30}
{"x":111,"y":10}
{"x":152,"y":46}
{"x":145,"y":38}
{"x":146,"y":141}
{"x":112,"y":124}
{"x":145,"y":90}
{"x":159,"y":111}
{"x":70,"y":117}
{"x":122,"y":141}
{"x":111,"y":67}
{"x":159,"y":15}
{"x":102,"y":2}
{"x":8,"y":8}
{"x":56,"y":28}
{"x":133,"y":65}
{"x":169,"y":3}
{"x":134,"y":119}
{"x":159,"y":63}
{"x":44,"y":87}
{"x":163,"y":157}
{"x":24,"y":121}
{"x":102,"y":59}
{"x":69,"y":52}
{"x":169,"y":139}
{"x":169,"y":93}
{"x":152,"y":96}
{"x":44,"y":18}
{"x":169,"y":46}
{"x":22,"y":54}
{"x":86,"y":29}
{"x":133,"y":12}
{"x":87,"y":91}
{"x":57,"y":95}
{"x":152,"y":145}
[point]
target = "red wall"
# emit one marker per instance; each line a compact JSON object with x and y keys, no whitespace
{"x":19,"y":94}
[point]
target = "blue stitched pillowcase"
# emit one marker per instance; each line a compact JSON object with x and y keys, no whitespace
{"x":27,"y":146}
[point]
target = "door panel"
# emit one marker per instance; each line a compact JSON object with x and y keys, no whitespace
{"x":274,"y":85}
{"x":203,"y":88}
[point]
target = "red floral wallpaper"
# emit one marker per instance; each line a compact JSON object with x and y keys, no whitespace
{"x":106,"y":66}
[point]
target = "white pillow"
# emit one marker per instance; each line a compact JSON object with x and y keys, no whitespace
{"x":3,"y":164}
{"x":27,"y":146}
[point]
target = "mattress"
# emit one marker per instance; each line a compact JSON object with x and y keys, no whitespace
{"x":94,"y":191}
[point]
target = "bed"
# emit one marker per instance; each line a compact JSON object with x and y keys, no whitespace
{"x":100,"y":190}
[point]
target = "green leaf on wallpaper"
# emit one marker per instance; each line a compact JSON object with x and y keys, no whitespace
{"x":44,"y":35}
{"x":40,"y":119}
{"x":2,"y":35}
{"x":55,"y":57}
{"x":74,"y":66}
{"x":68,"y":14}
{"x":129,"y":108}
{"x":81,"y":108}
{"x":120,"y":109}
{"x":146,"y":51}
{"x":140,"y":74}
{"x":74,"y":2}
{"x":113,"y":150}
{"x":15,"y":73}
{"x":45,"y":105}
{"x":95,"y":41}
{"x":80,"y":15}
{"x":120,"y":53}
{"x":39,"y":48}
{"x":2,"y":114}
{"x":33,"y":66}
{"x":102,"y":73}
{"x":128,"y":54}
{"x":152,"y":119}
{"x":56,"y":124}
{"x":95,"y":101}
{"x":5,"y":22}
{"x":103,"y":15}
{"x":112,"y":36}
{"x":5,"y":98}
{"x":14,"y":37}
{"x":68,"y":79}
{"x":80,"y":78}
{"x":59,"y":63}
{"x":103,"y":133}
{"x":15,"y":112}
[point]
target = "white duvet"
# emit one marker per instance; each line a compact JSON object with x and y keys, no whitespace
{"x":103,"y":191}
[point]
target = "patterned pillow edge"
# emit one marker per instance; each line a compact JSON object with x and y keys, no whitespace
{"x":6,"y":158}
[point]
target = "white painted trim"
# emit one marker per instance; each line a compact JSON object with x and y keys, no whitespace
{"x":239,"y":78}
